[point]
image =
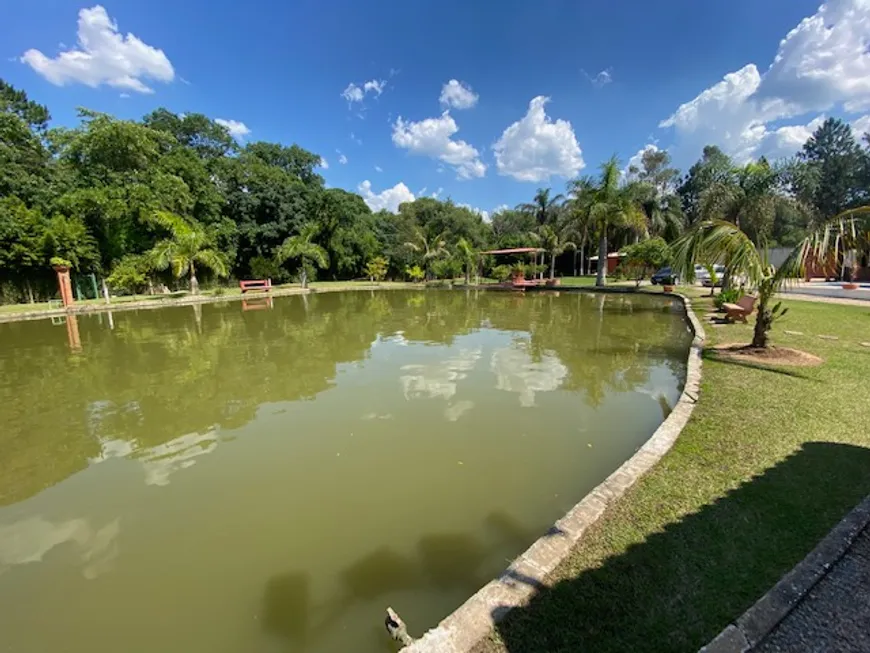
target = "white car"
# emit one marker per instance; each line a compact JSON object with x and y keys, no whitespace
{"x":719,"y":271}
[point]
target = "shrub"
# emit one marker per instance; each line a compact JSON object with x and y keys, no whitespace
{"x":501,"y":272}
{"x":415,"y":273}
{"x":726,"y":297}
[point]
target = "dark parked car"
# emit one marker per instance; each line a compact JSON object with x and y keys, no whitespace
{"x":664,"y":276}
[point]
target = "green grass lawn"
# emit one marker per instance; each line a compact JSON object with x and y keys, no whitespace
{"x":769,"y":462}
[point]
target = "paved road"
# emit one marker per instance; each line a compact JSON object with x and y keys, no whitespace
{"x":835,"y":615}
{"x":834,"y":290}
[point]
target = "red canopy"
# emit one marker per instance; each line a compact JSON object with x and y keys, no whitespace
{"x":515,"y":250}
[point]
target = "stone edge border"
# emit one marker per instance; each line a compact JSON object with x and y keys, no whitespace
{"x":469,"y":624}
{"x":86,"y":309}
{"x":754,"y":625}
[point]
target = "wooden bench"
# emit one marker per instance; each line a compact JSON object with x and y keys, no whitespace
{"x":741,"y":310}
{"x":264,"y":285}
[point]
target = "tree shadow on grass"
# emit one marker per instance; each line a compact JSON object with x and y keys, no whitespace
{"x":710,"y":354}
{"x":677,"y":589}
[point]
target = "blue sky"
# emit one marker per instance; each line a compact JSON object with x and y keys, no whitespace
{"x":542,"y":91}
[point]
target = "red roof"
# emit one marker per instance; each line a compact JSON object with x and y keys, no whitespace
{"x":514,"y":250}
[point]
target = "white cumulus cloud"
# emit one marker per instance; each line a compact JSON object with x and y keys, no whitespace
{"x":378,"y":169}
{"x":236,"y":128}
{"x":457,"y":95}
{"x":342,"y":159}
{"x":103,"y":56}
{"x":353,"y":93}
{"x":324,"y":163}
{"x":388,"y":199}
{"x":536,"y":147}
{"x":820,"y":65}
{"x":432,"y":137}
{"x":861,"y":126}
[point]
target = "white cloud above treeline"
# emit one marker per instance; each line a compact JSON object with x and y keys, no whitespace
{"x":433,"y":137}
{"x":457,"y":95}
{"x":388,"y":199}
{"x":103,"y":56}
{"x":236,"y":128}
{"x":536,"y":147}
{"x":821,"y":65}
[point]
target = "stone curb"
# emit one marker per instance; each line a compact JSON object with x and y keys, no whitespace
{"x":474,"y":620}
{"x":84,"y":309}
{"x":751,"y":628}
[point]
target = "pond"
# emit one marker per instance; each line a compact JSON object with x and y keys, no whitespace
{"x":210,"y":479}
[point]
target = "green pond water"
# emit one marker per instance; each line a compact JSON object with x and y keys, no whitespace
{"x":212,"y":479}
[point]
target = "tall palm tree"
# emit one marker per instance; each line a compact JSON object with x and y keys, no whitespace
{"x":543,"y":207}
{"x":428,"y":248}
{"x":719,"y":240}
{"x":610,"y":205}
{"x":576,"y":211}
{"x":663,"y":210}
{"x":468,"y":255}
{"x":302,"y":247}
{"x":188,"y":245}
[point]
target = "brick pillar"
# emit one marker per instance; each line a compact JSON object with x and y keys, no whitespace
{"x":63,"y":280}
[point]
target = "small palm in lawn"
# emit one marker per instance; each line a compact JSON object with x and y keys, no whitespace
{"x":543,"y":206}
{"x":429,"y":248}
{"x":188,"y":246}
{"x":468,"y":255}
{"x":720,"y":240}
{"x":301,"y":247}
{"x":611,"y":204}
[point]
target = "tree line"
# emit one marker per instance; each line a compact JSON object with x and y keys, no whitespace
{"x":173,"y":198}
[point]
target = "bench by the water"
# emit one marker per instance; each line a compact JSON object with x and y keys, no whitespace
{"x":264,"y":285}
{"x":522,"y":284}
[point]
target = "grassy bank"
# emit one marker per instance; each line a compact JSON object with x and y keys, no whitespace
{"x":770,"y":461}
{"x":216,"y":293}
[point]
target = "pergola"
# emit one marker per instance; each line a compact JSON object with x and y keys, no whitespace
{"x":515,"y":250}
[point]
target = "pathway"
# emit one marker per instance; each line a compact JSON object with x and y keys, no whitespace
{"x":820,"y":606}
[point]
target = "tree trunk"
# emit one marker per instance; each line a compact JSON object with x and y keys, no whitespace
{"x":194,"y":284}
{"x":601,"y":277}
{"x":763,"y":323}
{"x":29,"y":290}
{"x":582,"y":257}
{"x":105,"y":291}
{"x":575,"y":262}
{"x":552,"y":265}
{"x":303,"y":276}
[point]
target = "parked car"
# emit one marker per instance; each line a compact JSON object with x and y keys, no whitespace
{"x":708,"y":281}
{"x":664,"y":276}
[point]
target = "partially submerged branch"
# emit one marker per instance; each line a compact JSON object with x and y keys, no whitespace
{"x":397,"y":629}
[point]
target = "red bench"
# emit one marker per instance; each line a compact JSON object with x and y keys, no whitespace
{"x":256,"y":284}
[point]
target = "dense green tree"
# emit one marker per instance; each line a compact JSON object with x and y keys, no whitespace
{"x":714,"y":166}
{"x":835,"y":166}
{"x":428,"y":249}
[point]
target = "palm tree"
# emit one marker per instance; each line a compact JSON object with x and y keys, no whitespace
{"x":543,"y":206}
{"x":468,"y":255}
{"x":428,"y":248}
{"x":188,"y":245}
{"x":554,"y":241}
{"x":302,"y":247}
{"x":576,"y":211}
{"x":610,"y":205}
{"x":663,"y":210}
{"x":720,"y":240}
{"x":748,"y":197}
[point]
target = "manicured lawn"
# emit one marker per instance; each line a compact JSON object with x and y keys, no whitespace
{"x":769,"y":462}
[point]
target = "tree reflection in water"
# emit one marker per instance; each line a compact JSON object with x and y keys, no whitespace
{"x":161,"y":378}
